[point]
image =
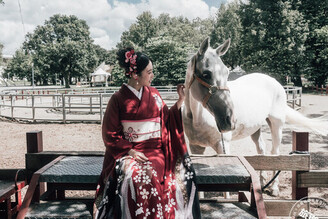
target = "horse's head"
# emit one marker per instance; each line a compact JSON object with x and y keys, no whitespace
{"x":209,"y":84}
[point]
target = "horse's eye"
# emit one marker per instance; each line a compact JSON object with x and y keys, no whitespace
{"x":206,"y":75}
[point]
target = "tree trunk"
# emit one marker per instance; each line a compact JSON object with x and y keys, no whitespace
{"x":297,"y":81}
{"x":66,"y":78}
{"x":45,"y":81}
{"x":53,"y":81}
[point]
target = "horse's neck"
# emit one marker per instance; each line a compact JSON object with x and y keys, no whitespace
{"x":193,"y":108}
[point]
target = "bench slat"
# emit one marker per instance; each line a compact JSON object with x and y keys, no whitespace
{"x":60,"y":209}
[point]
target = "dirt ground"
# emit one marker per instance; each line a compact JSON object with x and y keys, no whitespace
{"x":87,"y":137}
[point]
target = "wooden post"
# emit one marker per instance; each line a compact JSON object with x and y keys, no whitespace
{"x":300,"y":143}
{"x":33,"y":108}
{"x":294,"y":99}
{"x":101,"y":107}
{"x":64,"y":108}
{"x":34,"y":142}
{"x":12,"y":106}
{"x":90,"y":103}
{"x":35,"y":145}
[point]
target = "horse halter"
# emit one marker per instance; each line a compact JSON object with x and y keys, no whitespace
{"x":211,"y":88}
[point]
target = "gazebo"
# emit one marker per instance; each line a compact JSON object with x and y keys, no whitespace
{"x":100,"y":77}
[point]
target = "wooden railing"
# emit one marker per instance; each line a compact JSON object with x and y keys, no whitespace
{"x":294,"y":96}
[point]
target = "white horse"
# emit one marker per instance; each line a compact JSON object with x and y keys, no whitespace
{"x":237,"y":108}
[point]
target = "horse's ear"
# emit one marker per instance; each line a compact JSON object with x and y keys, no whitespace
{"x":222,"y":49}
{"x":204,"y":46}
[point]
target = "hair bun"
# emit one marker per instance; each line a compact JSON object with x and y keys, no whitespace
{"x":121,"y":57}
{"x":131,"y":61}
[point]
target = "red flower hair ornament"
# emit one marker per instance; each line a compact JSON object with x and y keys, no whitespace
{"x":131,"y":57}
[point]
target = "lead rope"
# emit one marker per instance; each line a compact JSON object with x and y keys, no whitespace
{"x":276,"y":175}
{"x":223,"y":146}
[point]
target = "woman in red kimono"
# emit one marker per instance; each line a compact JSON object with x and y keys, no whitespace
{"x":147,"y":172}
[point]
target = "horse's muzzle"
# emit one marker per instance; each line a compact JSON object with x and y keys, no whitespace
{"x":226,"y":124}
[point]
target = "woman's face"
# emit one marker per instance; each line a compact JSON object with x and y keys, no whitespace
{"x":146,"y":76}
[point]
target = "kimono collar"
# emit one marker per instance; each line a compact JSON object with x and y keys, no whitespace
{"x":137,"y":93}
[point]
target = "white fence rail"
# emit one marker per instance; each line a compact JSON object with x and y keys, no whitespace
{"x":54,"y":107}
{"x":294,"y":96}
{"x":74,"y":106}
{"x":80,"y":105}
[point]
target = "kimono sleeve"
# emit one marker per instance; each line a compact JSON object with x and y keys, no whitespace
{"x":112,"y":130}
{"x":173,"y":122}
{"x":175,"y":128}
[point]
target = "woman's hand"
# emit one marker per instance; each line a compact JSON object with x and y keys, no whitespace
{"x":181,"y":94}
{"x":138,"y":156}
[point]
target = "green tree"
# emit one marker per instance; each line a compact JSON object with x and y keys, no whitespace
{"x":169,"y":60}
{"x":139,"y":32}
{"x":274,"y":37}
{"x":184,"y":31}
{"x":118,"y":77}
{"x":102,"y":54}
{"x":228,"y":25}
{"x":253,"y":37}
{"x":319,"y":74}
{"x":315,"y":13}
{"x":62,"y":47}
{"x":178,"y":29}
{"x":20,"y":66}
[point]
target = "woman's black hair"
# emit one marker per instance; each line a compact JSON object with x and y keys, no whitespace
{"x":142,"y":61}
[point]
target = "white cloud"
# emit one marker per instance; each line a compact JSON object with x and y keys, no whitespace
{"x":187,"y":8}
{"x":104,"y":41}
{"x":106,"y":21}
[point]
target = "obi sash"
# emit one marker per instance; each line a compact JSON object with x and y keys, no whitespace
{"x":141,"y":130}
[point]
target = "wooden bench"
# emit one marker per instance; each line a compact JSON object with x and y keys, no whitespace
{"x":63,"y":173}
{"x":229,"y":173}
{"x":11,"y":183}
{"x":221,"y":173}
{"x":60,"y":209}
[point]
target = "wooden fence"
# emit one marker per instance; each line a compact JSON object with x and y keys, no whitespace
{"x":320,"y":90}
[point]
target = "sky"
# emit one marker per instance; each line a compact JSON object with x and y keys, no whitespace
{"x":107,"y":19}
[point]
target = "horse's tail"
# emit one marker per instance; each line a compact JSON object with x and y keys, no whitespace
{"x":300,"y":122}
